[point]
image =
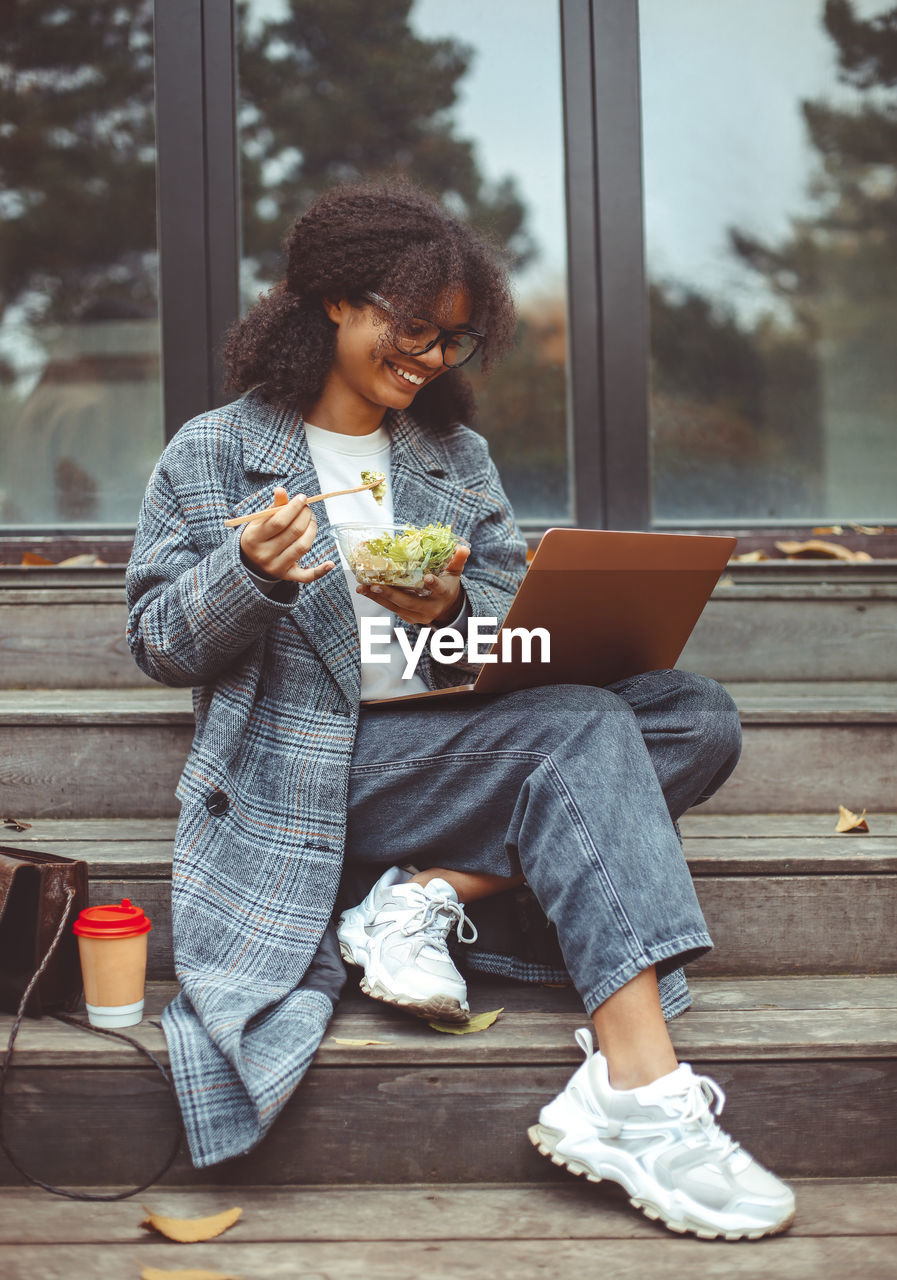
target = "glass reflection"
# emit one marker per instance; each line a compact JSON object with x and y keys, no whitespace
{"x":80,"y":403}
{"x":329,"y":94}
{"x":770,"y":147}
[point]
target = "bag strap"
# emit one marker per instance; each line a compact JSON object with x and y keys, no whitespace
{"x":101,"y":1031}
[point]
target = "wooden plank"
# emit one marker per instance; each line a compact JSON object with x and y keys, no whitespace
{"x":814,"y":924}
{"x":792,"y":855}
{"x":790,"y":762}
{"x":878,"y":991}
{"x":104,"y":830}
{"x":68,"y":644}
{"x":51,"y":598}
{"x":755,"y":1023}
{"x":794,"y":767}
{"x":715,"y":844}
{"x":760,"y":702}
{"x":785,"y":1257}
{"x":123,"y":770}
{"x":142,"y":859}
{"x":574,"y":1210}
{"x":797,"y":767}
{"x":78,"y":636}
{"x":761,"y":636}
{"x":805,"y":701}
{"x":801,"y":925}
{"x":699,"y":824}
{"x":150,"y":704}
{"x":435,"y":1124}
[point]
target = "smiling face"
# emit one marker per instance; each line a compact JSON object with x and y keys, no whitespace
{"x":368,"y":375}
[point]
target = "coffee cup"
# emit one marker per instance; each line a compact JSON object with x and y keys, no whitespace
{"x":112,"y":945}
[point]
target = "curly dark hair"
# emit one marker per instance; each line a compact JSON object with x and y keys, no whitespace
{"x":394,"y":241}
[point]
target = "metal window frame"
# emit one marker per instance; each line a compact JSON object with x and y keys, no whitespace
{"x":608,"y":377}
{"x":198,"y":201}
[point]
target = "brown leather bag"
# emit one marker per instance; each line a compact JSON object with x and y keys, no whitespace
{"x":34,"y":892}
{"x":41,"y":895}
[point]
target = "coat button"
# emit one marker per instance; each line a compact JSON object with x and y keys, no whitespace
{"x":217,"y":804}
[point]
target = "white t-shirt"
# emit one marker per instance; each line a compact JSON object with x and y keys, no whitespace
{"x":339,"y":461}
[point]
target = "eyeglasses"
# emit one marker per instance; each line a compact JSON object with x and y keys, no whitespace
{"x":458,"y":345}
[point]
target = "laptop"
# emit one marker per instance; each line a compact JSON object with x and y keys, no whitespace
{"x":613,"y":604}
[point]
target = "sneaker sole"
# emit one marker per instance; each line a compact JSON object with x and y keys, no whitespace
{"x":437,"y":1008}
{"x":545,"y":1140}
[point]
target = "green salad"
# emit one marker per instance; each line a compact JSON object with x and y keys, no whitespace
{"x":402,"y":559}
{"x":379,"y":490}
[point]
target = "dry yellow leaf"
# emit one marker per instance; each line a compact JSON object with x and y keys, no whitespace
{"x":189,"y":1230}
{"x":358,"y":1043}
{"x":815,"y":549}
{"x":153,"y":1273}
{"x":749,"y":557}
{"x":478,"y":1023}
{"x":851,"y":821}
{"x":868,"y":528}
{"x":829,"y":528}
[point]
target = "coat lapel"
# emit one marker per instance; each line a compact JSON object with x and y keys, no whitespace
{"x":421,"y":491}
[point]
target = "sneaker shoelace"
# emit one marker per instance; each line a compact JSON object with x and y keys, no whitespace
{"x":703,"y":1101}
{"x":438,"y":918}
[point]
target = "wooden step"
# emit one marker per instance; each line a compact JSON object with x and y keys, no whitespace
{"x":809,"y":1067}
{"x":844,"y":1227}
{"x":780,"y":892}
{"x":118,"y":752}
{"x":790,"y":621}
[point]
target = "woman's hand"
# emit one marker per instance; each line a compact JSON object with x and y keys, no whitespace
{"x":438,"y":608}
{"x":274,"y":546}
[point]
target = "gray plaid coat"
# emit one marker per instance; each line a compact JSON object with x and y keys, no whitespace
{"x":276,"y":684}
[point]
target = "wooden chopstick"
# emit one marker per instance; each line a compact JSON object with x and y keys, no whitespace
{"x":318,"y":497}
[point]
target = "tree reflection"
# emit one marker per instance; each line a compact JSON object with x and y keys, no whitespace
{"x":782,"y":419}
{"x":330,"y":90}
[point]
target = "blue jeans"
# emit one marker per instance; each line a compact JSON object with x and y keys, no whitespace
{"x":577,"y":787}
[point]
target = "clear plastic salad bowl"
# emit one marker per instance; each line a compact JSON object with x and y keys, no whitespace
{"x":396,"y":555}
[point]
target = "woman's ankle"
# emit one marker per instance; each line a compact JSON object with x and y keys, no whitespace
{"x":469,"y":885}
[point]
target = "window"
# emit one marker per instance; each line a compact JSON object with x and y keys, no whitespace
{"x":771,"y":243}
{"x":80,"y":404}
{"x":468,"y":101}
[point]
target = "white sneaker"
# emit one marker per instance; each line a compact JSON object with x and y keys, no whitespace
{"x":398,"y":936}
{"x":662,"y":1144}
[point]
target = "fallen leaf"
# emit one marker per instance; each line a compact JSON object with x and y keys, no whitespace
{"x":153,"y":1273}
{"x":16,"y":823}
{"x":749,"y":557}
{"x":851,"y":821}
{"x":815,"y":549}
{"x":828,"y":528}
{"x":86,"y":560}
{"x":337,"y":1040}
{"x":189,"y":1230}
{"x":866,"y":528}
{"x":478,"y":1023}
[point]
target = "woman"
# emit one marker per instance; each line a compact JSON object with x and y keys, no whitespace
{"x":353,"y":362}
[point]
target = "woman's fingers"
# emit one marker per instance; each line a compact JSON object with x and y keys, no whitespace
{"x":278,"y":542}
{"x":309,"y":573}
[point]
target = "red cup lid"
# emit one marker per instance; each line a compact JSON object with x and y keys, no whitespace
{"x":115,"y":921}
